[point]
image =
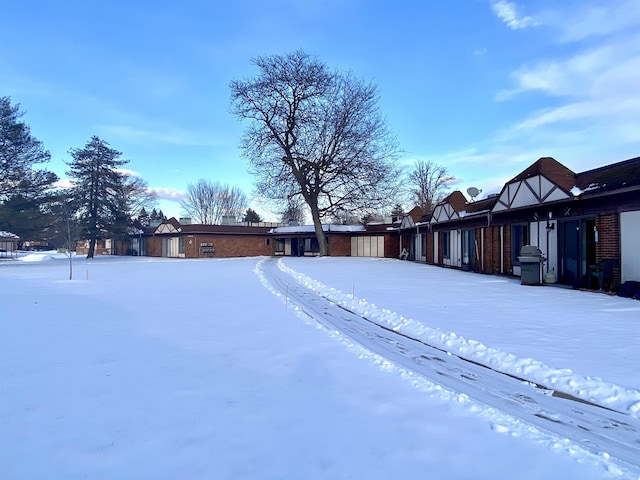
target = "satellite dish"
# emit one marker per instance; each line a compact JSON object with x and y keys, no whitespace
{"x":473,"y":192}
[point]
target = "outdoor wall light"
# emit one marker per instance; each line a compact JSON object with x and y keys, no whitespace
{"x":550,"y":226}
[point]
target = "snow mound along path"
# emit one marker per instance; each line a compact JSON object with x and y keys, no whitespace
{"x":563,"y":381}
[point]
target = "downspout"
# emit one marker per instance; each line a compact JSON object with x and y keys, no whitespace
{"x":502,"y":249}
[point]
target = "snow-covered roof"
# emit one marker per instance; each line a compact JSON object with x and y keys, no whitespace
{"x":325,"y":228}
{"x":5,"y":234}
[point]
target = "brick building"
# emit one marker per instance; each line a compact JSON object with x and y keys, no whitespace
{"x":582,"y":223}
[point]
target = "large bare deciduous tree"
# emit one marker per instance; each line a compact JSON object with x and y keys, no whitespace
{"x":428,"y":183}
{"x":208,"y":202}
{"x":315,"y":134}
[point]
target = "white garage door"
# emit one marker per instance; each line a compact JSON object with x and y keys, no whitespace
{"x":367,"y":246}
{"x":630,"y":239}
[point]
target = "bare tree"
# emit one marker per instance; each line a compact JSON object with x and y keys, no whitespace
{"x":136,"y":195}
{"x":208,"y":202}
{"x":428,"y":183}
{"x":317,"y":135}
{"x":294,"y":212}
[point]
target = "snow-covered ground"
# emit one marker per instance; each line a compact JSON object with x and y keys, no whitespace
{"x":171,"y":369}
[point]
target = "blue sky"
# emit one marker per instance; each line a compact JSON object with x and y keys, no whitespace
{"x":484,"y":87}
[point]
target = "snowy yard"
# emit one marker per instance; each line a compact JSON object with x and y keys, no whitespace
{"x":172,"y":369}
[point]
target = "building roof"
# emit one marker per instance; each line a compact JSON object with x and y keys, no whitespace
{"x":617,"y":176}
{"x":173,"y":226}
{"x":550,"y":168}
{"x":311,"y":229}
{"x":481,"y":206}
{"x":8,"y":235}
{"x":456,"y":199}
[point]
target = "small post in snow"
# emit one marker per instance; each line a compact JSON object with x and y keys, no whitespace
{"x":87,"y":277}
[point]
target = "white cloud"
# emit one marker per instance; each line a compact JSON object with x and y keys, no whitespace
{"x":64,"y":183}
{"x":585,"y":73}
{"x":578,"y":21}
{"x":127,"y":171}
{"x":174,"y":136}
{"x":167,"y":193}
{"x":597,"y":84}
{"x":506,"y":11}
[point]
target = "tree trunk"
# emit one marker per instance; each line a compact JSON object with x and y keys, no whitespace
{"x":322,"y":238}
{"x":92,"y":248}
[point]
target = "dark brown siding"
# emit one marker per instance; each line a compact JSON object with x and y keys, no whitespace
{"x":391,"y":246}
{"x":429,"y":249}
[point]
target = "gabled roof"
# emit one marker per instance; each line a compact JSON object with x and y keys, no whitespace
{"x":551,"y":169}
{"x":545,"y":181}
{"x":457,"y":200}
{"x":416,"y":214}
{"x":449,"y":207}
{"x":168,"y":226}
{"x":617,"y":176}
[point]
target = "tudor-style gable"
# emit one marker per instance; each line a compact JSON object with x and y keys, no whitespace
{"x":168,"y":227}
{"x":545,"y":181}
{"x":449,"y":208}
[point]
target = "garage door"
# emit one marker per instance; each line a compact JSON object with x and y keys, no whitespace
{"x":367,"y":246}
{"x":629,"y":241}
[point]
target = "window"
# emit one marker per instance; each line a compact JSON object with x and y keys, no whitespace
{"x":206,"y":248}
{"x":311,"y":245}
{"x":519,"y":238}
{"x":181,"y":245}
{"x":279,"y":245}
{"x":468,"y":243}
{"x":445,"y":244}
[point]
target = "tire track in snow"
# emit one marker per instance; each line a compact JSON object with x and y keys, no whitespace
{"x":613,"y":438}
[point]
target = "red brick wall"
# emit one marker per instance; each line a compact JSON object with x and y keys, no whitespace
{"x":340,"y":246}
{"x":608,"y":227}
{"x":508,"y":265}
{"x":608,"y":245}
{"x":226,"y":246}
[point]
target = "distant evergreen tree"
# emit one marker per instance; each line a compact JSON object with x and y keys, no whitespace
{"x":157,"y":216}
{"x":251,"y":216}
{"x":98,"y":191}
{"x":144,"y":218}
{"x":19,"y":152}
{"x":25,"y":192}
{"x":398,"y":211}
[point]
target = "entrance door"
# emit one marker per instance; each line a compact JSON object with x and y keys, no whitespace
{"x":468,"y":244}
{"x":297,"y":247}
{"x":577,"y":250}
